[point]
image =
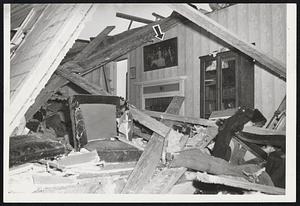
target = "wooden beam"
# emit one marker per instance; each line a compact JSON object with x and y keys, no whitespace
{"x":149,"y":160}
{"x":81,"y":82}
{"x":149,"y":122}
{"x":134,"y":18}
{"x":213,"y":179}
{"x":90,"y":48}
{"x":191,"y":120}
{"x":254,"y":149}
{"x":157,"y":16}
{"x":273,"y":65}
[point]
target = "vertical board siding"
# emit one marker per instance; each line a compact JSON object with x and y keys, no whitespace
{"x":189,"y":85}
{"x":279,"y":48}
{"x":264,"y":24}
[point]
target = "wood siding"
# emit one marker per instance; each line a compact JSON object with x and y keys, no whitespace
{"x":262,"y":24}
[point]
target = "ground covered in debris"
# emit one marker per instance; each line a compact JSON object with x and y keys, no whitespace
{"x":69,"y":149}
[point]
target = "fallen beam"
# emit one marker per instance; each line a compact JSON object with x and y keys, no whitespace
{"x":133,"y":18}
{"x":191,"y":120}
{"x":149,"y":160}
{"x":273,"y":65}
{"x":91,"y":47}
{"x":81,"y":82}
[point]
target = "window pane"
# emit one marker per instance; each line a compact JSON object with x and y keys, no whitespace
{"x":161,"y":88}
{"x":228,"y":84}
{"x":210,"y":87}
{"x":159,"y":104}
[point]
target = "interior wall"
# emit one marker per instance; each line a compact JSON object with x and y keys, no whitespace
{"x":262,"y":24}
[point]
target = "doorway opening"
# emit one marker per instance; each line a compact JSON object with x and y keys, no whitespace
{"x":121,"y":86}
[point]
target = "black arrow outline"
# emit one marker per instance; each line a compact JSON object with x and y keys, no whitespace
{"x":159,"y":34}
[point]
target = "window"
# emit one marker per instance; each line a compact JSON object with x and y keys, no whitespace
{"x":227,"y":81}
{"x":160,"y":55}
{"x":157,"y":94}
{"x":159,"y":104}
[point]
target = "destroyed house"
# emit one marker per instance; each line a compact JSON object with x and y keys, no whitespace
{"x":204,"y":104}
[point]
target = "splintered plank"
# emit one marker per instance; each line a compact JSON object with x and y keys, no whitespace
{"x":145,"y":167}
{"x":149,"y":160}
{"x":149,"y":122}
{"x":213,"y":179}
{"x":90,"y":48}
{"x":191,"y":120}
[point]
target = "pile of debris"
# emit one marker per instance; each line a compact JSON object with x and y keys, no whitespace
{"x":112,"y":147}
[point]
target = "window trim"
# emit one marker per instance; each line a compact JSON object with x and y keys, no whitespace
{"x":180,"y":92}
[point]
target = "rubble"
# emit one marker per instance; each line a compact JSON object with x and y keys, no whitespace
{"x":179,"y":156}
{"x":101,"y":144}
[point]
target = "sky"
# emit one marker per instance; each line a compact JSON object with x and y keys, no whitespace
{"x":105,"y":15}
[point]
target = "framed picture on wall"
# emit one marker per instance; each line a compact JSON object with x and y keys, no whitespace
{"x":132,"y":73}
{"x":161,"y":55}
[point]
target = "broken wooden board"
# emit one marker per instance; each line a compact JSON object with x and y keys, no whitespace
{"x":109,"y":169}
{"x":229,"y":181}
{"x":173,"y":117}
{"x":149,"y":122}
{"x":43,"y":49}
{"x":81,"y":82}
{"x":27,"y":148}
{"x":198,"y":160}
{"x":162,"y":182}
{"x":91,"y":47}
{"x":123,"y":139}
{"x":147,"y":163}
{"x":145,"y":167}
{"x":270,"y":63}
{"x":253,"y":148}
